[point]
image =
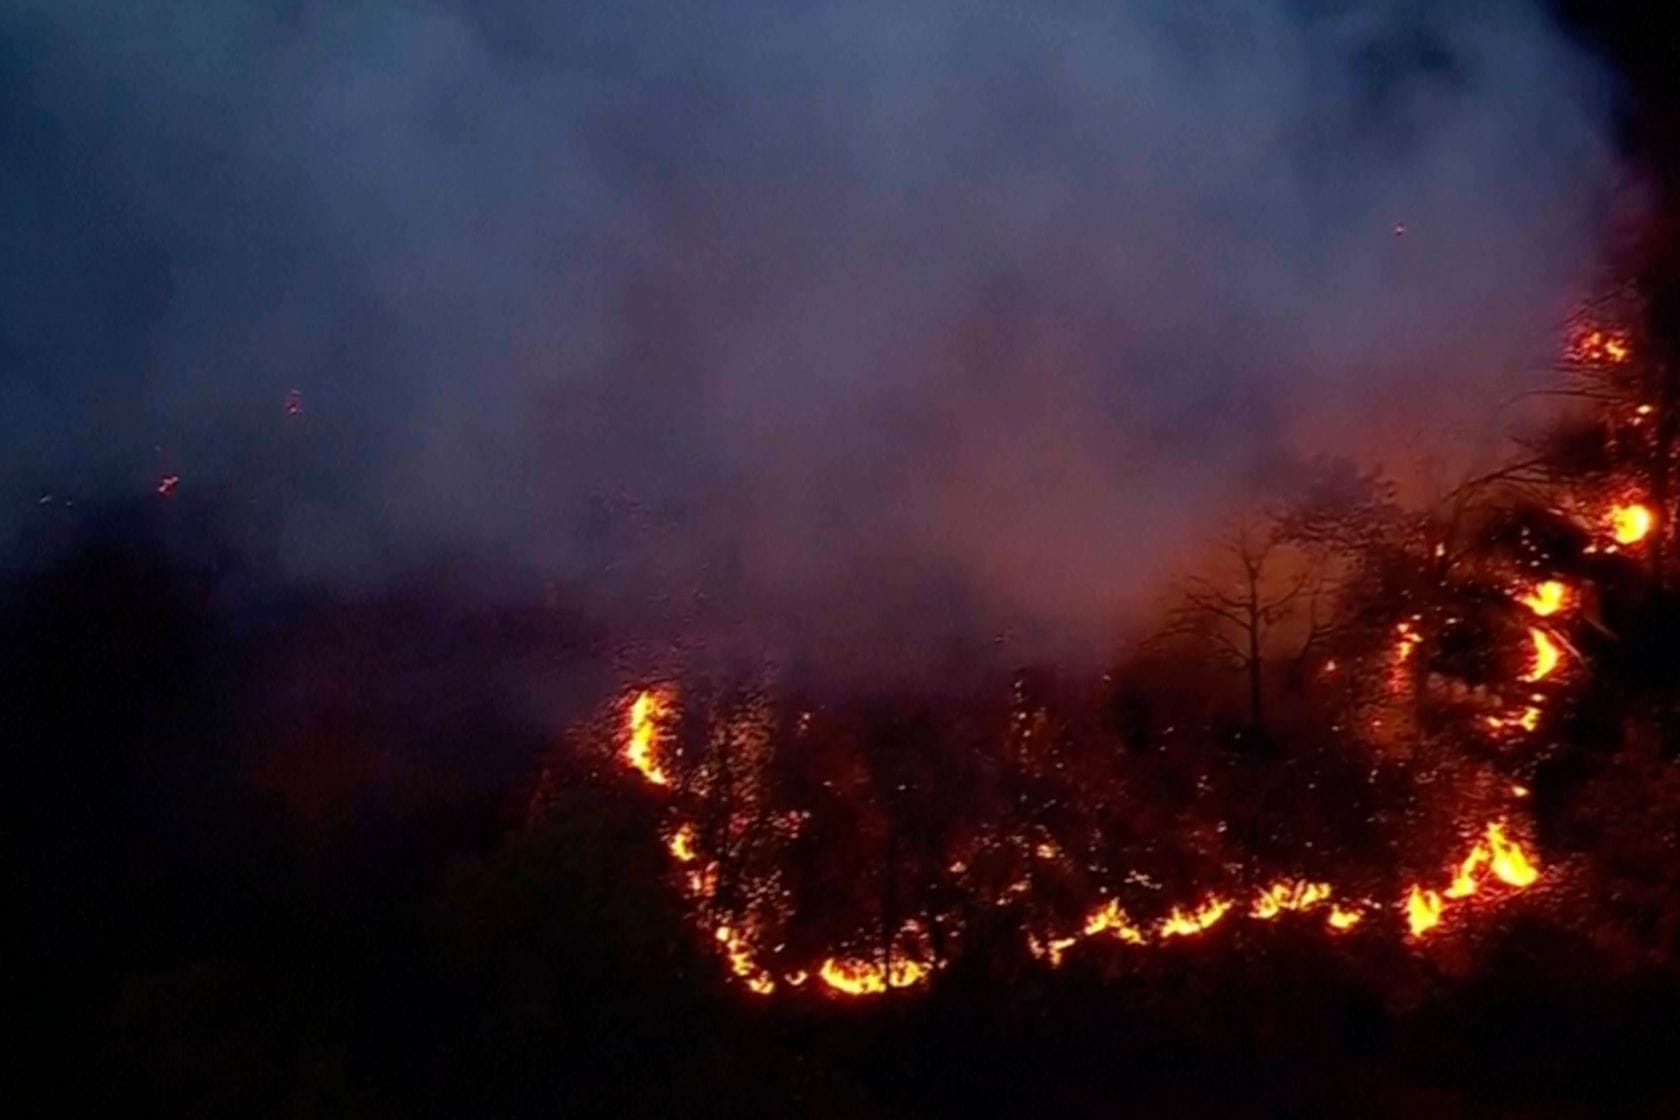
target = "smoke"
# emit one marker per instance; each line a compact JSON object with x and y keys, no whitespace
{"x":888,"y":332}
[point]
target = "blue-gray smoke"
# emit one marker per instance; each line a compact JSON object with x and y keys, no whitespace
{"x":873,"y":328}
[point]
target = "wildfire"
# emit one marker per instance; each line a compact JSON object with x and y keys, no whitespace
{"x":1546,"y":655}
{"x":743,"y":940}
{"x":1547,"y":598}
{"x":1180,"y":924}
{"x":1286,"y":895}
{"x":1109,"y":918}
{"x":681,"y":844}
{"x":641,"y":751}
{"x":738,"y":949}
{"x":1630,"y":523}
{"x":1599,"y":346}
{"x":1510,"y":864}
{"x":1495,"y":854}
{"x":1342,"y":920}
{"x":1464,"y":883}
{"x":1423,"y":911}
{"x":854,"y":976}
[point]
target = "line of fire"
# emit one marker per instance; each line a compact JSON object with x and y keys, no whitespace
{"x":1400,"y":678}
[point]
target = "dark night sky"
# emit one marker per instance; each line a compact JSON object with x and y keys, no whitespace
{"x":858,"y":320}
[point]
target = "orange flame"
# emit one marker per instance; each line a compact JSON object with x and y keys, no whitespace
{"x":1286,"y":895}
{"x":1464,"y":883}
{"x":641,"y":751}
{"x":1510,"y":863}
{"x":1423,"y":911}
{"x":1342,"y":920}
{"x":681,"y":844}
{"x":1109,"y":918}
{"x":738,"y":948}
{"x":1180,"y":924}
{"x":854,"y":976}
{"x":1546,"y":655}
{"x":1630,"y":523}
{"x":1547,"y":598}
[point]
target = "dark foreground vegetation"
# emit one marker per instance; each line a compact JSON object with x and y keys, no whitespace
{"x":266,"y":856}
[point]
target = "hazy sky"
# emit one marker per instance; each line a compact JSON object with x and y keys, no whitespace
{"x":859,"y":325}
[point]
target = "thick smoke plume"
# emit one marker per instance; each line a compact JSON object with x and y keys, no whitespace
{"x":888,"y":332}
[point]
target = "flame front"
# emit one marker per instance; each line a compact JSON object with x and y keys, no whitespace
{"x":1493,"y":854}
{"x":1180,"y":924}
{"x":854,"y":976}
{"x":1286,"y":895}
{"x":1510,"y":863}
{"x":743,"y":939}
{"x":1423,"y":911}
{"x":1109,"y":918}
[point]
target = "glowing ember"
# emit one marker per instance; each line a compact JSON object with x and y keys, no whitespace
{"x":167,"y":484}
{"x":681,"y":844}
{"x":1630,"y":524}
{"x":1526,"y":720}
{"x":1547,"y":598}
{"x":1546,"y":655}
{"x":1423,"y":911}
{"x":294,"y":402}
{"x":743,"y":940}
{"x":641,"y":751}
{"x":1180,"y":924}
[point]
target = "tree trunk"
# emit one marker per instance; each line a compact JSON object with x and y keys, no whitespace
{"x":1256,"y":700}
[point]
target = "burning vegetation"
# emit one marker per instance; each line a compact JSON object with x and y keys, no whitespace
{"x":1404,"y":670}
